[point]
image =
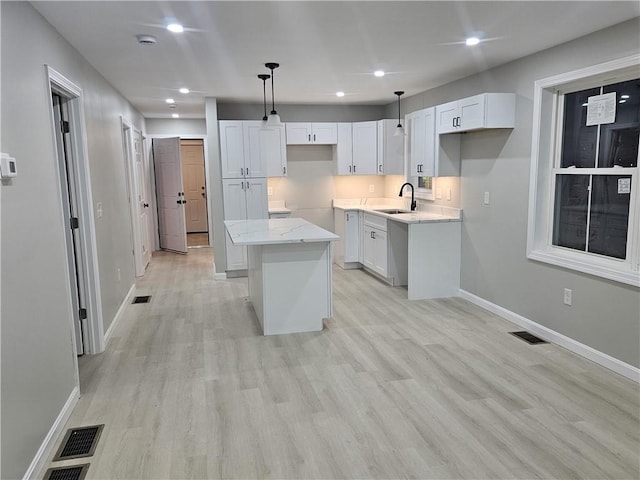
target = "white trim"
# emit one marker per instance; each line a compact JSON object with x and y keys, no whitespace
{"x":38,"y":463}
{"x":219,"y":276}
{"x":607,"y":361}
{"x":120,"y":313}
{"x":128,"y":131}
{"x":95,"y":335}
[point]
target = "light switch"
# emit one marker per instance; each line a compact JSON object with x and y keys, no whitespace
{"x":486,"y":198}
{"x":371,"y":188}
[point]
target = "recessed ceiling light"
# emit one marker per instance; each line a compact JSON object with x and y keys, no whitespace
{"x":624,"y":97}
{"x":184,"y":90}
{"x":339,"y":94}
{"x":585,"y":104}
{"x":175,"y":28}
{"x":622,"y":101}
{"x":472,"y":41}
{"x":379,"y":73}
{"x":175,"y":115}
{"x":170,"y":100}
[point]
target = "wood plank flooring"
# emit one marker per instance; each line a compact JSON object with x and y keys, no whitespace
{"x":188,"y":388}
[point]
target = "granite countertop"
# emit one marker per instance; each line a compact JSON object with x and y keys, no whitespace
{"x":428,"y":214}
{"x":276,"y":231}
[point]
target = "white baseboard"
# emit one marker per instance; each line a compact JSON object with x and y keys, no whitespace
{"x":570,"y":344}
{"x":120,"y":313}
{"x":36,"y":469}
{"x":217,"y":275}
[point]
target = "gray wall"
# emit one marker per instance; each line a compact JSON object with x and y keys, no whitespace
{"x":605,"y":315}
{"x":180,"y":127}
{"x":303,"y":113}
{"x":38,"y":370}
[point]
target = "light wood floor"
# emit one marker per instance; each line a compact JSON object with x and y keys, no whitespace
{"x":188,"y":388}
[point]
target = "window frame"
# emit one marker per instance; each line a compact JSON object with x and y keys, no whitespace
{"x":546,"y":149}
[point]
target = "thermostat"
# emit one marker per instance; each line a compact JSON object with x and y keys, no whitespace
{"x":7,"y":166}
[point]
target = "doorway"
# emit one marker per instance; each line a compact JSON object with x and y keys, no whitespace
{"x":195,"y":192}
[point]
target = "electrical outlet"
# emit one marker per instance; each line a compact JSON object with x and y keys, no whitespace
{"x":486,"y":198}
{"x":372,"y":188}
{"x":567,"y":296}
{"x":270,"y":191}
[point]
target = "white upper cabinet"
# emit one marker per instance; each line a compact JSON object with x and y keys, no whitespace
{"x":343,"y":151}
{"x":241,"y":152}
{"x":273,"y":147}
{"x":303,"y":133}
{"x":430,"y":155}
{"x":487,"y":110}
{"x":365,"y":148}
{"x":390,"y":149}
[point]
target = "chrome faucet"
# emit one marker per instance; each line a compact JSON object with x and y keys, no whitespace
{"x":413,"y":202}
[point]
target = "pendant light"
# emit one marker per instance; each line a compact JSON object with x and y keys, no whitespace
{"x":399,"y":130}
{"x":274,"y":118}
{"x":264,"y":77}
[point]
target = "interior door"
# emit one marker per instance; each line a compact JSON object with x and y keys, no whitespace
{"x":170,"y":194}
{"x":192,"y":155}
{"x":143,"y":200}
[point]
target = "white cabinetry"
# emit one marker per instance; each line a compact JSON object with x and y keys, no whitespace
{"x":356,"y":150}
{"x":246,"y":149}
{"x":347,"y":249}
{"x":374,"y":243}
{"x":390,"y":149}
{"x":300,"y":133}
{"x":273,"y":148}
{"x":343,"y":151}
{"x":430,"y":155}
{"x":487,"y":110}
{"x":243,"y":199}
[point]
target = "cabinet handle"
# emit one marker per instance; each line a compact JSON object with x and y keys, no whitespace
{"x":248,"y":186}
{"x":309,"y":137}
{"x":284,"y":170}
{"x":349,"y":168}
{"x":247,"y":171}
{"x":242,"y":171}
{"x":453,"y":122}
{"x":314,"y":137}
{"x":373,"y":235}
{"x":354,"y":169}
{"x":380,"y":168}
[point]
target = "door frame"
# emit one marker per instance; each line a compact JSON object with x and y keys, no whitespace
{"x":128,"y":131}
{"x":57,"y":83}
{"x":156,"y":236}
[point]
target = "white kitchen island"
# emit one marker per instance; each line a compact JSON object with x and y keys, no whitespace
{"x":289,"y":272}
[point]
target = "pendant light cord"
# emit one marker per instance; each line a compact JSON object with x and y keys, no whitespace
{"x":273,"y":99}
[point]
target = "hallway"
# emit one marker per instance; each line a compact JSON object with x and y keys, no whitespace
{"x":188,"y":388}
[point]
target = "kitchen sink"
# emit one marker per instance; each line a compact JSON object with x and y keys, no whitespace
{"x":392,"y":211}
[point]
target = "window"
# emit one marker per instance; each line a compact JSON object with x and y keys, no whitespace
{"x":584,"y":192}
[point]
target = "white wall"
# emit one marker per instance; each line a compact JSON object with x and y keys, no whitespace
{"x":179,"y":127}
{"x":605,"y":315}
{"x":38,"y":369}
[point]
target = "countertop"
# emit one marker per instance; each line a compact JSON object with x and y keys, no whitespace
{"x":276,"y":231}
{"x":278,"y":206}
{"x":429,"y":214}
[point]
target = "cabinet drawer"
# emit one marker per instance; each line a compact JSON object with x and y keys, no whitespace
{"x":375,"y":221}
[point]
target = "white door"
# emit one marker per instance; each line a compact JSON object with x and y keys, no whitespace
{"x":192,"y":156}
{"x":170,"y":195}
{"x":256,"y":194}
{"x":365,"y":148}
{"x":298,"y":133}
{"x":231,"y":148}
{"x":380,"y":252}
{"x":235,"y":208}
{"x":142,"y":198}
{"x":273,"y":148}
{"x":472,"y":112}
{"x":447,"y":117}
{"x":416,"y":123}
{"x":344,"y":149}
{"x":368,"y":247}
{"x":351,"y":237}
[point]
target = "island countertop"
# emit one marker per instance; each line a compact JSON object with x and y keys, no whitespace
{"x":276,"y":231}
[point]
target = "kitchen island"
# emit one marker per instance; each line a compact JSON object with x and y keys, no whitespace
{"x":289,"y":272}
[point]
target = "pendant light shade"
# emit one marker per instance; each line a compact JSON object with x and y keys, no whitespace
{"x":273,"y":119}
{"x":264,"y":77}
{"x":399,"y":130}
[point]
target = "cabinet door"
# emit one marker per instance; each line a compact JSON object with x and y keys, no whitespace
{"x":298,"y":133}
{"x":324,"y":133}
{"x":254,"y":159}
{"x":368,"y":247}
{"x":390,"y":148}
{"x":351,"y":237}
{"x":447,"y":117}
{"x":365,"y":148}
{"x":256,"y":194}
{"x":427,"y":168}
{"x":343,"y":152}
{"x":380,"y":252}
{"x":234,"y":206}
{"x":273,"y":149}
{"x":231,"y":148}
{"x":422,"y":141}
{"x":471,"y":112}
{"x":380,"y":155}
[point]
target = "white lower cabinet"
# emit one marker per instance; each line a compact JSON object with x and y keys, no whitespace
{"x":243,"y":199}
{"x":375,"y":249}
{"x":346,"y":251}
{"x":384,"y":248}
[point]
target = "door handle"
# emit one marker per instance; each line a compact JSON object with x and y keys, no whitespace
{"x":184,"y":201}
{"x":145,"y":205}
{"x":204,"y":194}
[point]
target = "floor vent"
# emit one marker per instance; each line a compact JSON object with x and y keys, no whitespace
{"x":79,"y":442}
{"x":145,"y":299}
{"x":75,"y":472}
{"x":528,"y":337}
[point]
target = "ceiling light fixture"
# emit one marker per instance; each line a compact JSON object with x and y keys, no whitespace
{"x":399,"y":130}
{"x":273,"y":119}
{"x":339,"y":94}
{"x":184,"y":90}
{"x":170,"y":100}
{"x":175,"y":115}
{"x":624,"y":97}
{"x":471,"y":41}
{"x":175,"y":28}
{"x":622,"y":101}
{"x":379,"y":73}
{"x":264,"y":77}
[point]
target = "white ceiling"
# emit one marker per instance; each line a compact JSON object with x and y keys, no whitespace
{"x":322,"y":47}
